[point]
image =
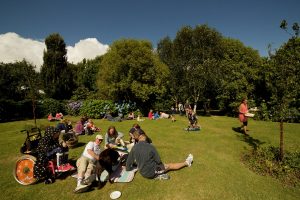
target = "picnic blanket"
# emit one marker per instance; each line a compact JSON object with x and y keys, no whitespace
{"x":120,"y":175}
{"x":192,"y":129}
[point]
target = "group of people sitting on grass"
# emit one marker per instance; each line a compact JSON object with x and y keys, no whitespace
{"x":58,"y":117}
{"x":139,"y":153}
{"x":86,"y":126}
{"x":160,"y":115}
{"x":142,"y":155}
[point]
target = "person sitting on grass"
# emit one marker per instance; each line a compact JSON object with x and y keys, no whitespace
{"x":87,"y":163}
{"x":164,"y":115}
{"x":130,"y":116}
{"x":79,"y":127}
{"x":91,"y":128}
{"x":113,"y":138}
{"x":156,"y":115}
{"x":193,"y":120}
{"x":148,"y":160}
{"x":51,"y":118}
{"x":47,"y":149}
{"x":133,"y":141}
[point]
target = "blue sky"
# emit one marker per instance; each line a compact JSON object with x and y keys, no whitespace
{"x":254,"y":22}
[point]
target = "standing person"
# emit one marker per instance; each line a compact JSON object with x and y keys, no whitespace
{"x":180,"y":108}
{"x":113,"y":138}
{"x":187,"y":107}
{"x":148,"y":160}
{"x":243,"y":109}
{"x":86,"y":164}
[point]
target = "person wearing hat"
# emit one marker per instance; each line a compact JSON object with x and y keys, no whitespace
{"x":148,"y":160}
{"x":87,"y":162}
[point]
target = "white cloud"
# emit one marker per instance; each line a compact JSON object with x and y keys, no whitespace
{"x":88,"y":48}
{"x":15,"y":48}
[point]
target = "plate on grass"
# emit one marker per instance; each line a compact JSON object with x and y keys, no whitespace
{"x":115,"y":194}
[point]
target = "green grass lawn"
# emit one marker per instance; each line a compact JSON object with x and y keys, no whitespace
{"x":217,"y":171}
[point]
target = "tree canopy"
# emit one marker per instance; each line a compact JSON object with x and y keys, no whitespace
{"x":131,"y":70}
{"x":56,"y":76}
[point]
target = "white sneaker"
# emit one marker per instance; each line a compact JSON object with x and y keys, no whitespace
{"x":189,"y":160}
{"x":81,"y":188}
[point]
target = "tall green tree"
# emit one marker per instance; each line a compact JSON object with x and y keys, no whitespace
{"x":284,"y":83}
{"x":11,"y":82}
{"x":193,"y":59}
{"x":131,"y":70}
{"x":87,"y":72}
{"x":239,"y":70}
{"x":56,"y":76}
{"x":176,"y":89}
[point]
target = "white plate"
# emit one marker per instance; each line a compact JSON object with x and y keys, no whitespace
{"x":249,"y":115}
{"x":115,"y":194}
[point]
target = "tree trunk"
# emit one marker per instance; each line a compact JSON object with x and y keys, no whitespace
{"x":195,"y":108}
{"x":281,"y":155}
{"x":33,"y":110}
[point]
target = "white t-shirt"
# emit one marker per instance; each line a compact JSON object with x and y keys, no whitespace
{"x":94,"y":147}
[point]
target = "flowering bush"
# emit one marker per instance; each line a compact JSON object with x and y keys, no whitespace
{"x":73,"y":107}
{"x":125,"y":107}
{"x":97,"y":108}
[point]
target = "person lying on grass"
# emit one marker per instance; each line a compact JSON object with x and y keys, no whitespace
{"x":148,"y":160}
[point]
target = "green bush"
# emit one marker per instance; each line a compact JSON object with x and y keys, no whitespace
{"x":11,"y":110}
{"x":97,"y":108}
{"x":265,"y":161}
{"x":51,"y":106}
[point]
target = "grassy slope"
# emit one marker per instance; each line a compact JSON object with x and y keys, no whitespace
{"x":217,"y":172}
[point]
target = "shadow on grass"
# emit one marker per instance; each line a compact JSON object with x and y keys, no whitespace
{"x":254,"y":143}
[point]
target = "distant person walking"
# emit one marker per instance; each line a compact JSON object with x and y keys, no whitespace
{"x":243,"y":109}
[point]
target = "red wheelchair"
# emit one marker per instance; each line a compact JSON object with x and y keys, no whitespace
{"x":23,"y":170}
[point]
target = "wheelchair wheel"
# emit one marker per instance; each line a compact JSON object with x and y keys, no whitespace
{"x":23,"y":171}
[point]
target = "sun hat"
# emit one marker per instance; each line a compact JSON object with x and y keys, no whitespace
{"x":99,"y":137}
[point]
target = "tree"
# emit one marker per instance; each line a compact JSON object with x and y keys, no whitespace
{"x":193,"y":59}
{"x":176,"y":88}
{"x":284,"y":79}
{"x":31,"y":85}
{"x":87,"y":72}
{"x":239,"y":70}
{"x":56,"y":76}
{"x":130,"y":70}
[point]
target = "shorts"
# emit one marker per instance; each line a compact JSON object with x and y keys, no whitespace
{"x":161,"y":169}
{"x":245,"y":123}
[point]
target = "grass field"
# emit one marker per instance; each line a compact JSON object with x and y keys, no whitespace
{"x":217,"y":171}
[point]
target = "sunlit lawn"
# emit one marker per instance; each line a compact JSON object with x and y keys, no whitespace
{"x":217,"y":171}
